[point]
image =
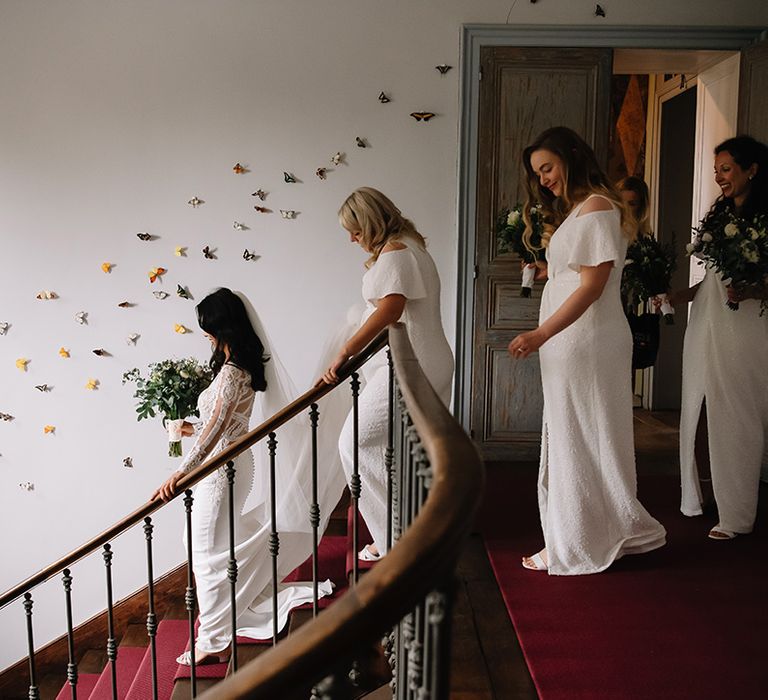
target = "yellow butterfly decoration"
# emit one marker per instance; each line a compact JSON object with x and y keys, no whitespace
{"x":49,"y":429}
{"x":92,"y":384}
{"x":156,"y":272}
{"x":63,"y":352}
{"x":22,"y":363}
{"x":180,"y":329}
{"x":106,"y":267}
{"x":180,"y":251}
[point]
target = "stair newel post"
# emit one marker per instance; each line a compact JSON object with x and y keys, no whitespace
{"x":189,"y":594}
{"x":354,"y":486}
{"x":232,"y":565}
{"x":314,"y":511}
{"x":34,"y":693}
{"x":274,"y":538}
{"x":390,"y":449}
{"x":151,"y":617}
{"x":66,"y":579}
{"x":111,"y":641}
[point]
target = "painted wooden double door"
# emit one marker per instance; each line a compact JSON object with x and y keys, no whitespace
{"x":522,"y":92}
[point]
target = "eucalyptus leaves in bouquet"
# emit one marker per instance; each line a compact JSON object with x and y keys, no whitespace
{"x":510,"y":227}
{"x":647,"y":272}
{"x":171,"y":389}
{"x":736,"y":248}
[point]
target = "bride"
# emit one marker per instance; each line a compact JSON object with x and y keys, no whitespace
{"x":249,"y":379}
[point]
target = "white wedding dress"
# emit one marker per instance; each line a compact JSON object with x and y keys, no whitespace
{"x":725,"y":362}
{"x":225,"y":412}
{"x":412,"y":273}
{"x":590,"y":515}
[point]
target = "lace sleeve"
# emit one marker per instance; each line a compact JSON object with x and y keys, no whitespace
{"x":209,"y":432}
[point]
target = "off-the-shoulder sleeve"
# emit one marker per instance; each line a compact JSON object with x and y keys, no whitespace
{"x":210,"y":432}
{"x":596,"y":238}
{"x":396,"y":272}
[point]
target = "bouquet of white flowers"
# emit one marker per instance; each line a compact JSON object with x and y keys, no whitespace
{"x":510,"y":227}
{"x":736,"y":248}
{"x":647,"y":272}
{"x":171,"y":389}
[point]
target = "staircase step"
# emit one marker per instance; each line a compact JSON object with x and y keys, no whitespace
{"x":172,"y":638}
{"x":128,"y":661}
{"x":85,"y":684}
{"x":363,"y":538}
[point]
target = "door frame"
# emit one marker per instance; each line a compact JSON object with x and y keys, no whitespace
{"x":473,"y":38}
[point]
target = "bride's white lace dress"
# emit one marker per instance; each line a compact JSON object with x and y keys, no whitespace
{"x":225,"y":412}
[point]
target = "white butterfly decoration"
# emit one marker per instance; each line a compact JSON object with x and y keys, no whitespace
{"x":132,"y":338}
{"x":4,"y":327}
{"x":6,"y":417}
{"x":45,"y":294}
{"x":27,"y":486}
{"x":128,"y":462}
{"x":160,"y":295}
{"x":288,"y":213}
{"x":249,"y":255}
{"x":81,"y":317}
{"x":239,"y":226}
{"x":195,"y":202}
{"x":337,"y":158}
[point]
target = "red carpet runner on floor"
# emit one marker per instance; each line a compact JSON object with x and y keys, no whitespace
{"x":686,"y":621}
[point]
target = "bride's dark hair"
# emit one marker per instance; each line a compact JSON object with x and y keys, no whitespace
{"x":222,"y":315}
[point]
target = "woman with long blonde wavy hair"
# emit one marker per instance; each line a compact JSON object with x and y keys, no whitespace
{"x":401,"y":284}
{"x":589,"y":510}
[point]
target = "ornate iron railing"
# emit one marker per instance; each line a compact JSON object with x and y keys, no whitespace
{"x":434,"y":485}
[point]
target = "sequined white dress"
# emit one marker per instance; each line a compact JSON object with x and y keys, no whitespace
{"x":225,"y":411}
{"x":412,"y":273}
{"x":725,"y":363}
{"x":590,"y":515}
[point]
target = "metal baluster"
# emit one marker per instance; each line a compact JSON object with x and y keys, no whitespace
{"x":415,"y":657}
{"x":232,"y":565}
{"x":390,"y":449}
{"x":189,"y":594}
{"x":34,"y":693}
{"x":440,"y":623}
{"x":71,"y":665}
{"x":314,"y":510}
{"x":396,"y":471}
{"x":274,"y":538}
{"x":111,"y":641}
{"x":354,"y":486}
{"x":151,"y":617}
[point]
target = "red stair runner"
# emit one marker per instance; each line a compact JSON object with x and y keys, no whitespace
{"x":128,"y":661}
{"x":172,"y":637}
{"x":85,"y":683}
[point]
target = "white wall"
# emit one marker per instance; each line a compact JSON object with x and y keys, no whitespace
{"x":113,"y":115}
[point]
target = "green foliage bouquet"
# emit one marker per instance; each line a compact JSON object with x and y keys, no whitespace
{"x":171,"y":389}
{"x":510,"y":227}
{"x":737,"y":249}
{"x":647,"y":272}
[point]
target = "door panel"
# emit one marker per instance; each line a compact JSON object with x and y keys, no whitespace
{"x":523,"y":91}
{"x":753,"y":91}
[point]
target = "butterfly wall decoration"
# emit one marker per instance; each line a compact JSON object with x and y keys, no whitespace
{"x":195,"y":202}
{"x":42,"y":387}
{"x":208,"y":253}
{"x":337,"y":158}
{"x":239,"y":226}
{"x":92,"y":384}
{"x":156,"y":273}
{"x":27,"y":486}
{"x":106,"y":267}
{"x":49,"y":429}
{"x":288,"y":213}
{"x":7,"y":417}
{"x":321,"y":173}
{"x":22,"y":363}
{"x":63,"y":352}
{"x":45,"y":295}
{"x":160,"y":295}
{"x":128,"y":462}
{"x":100,"y":352}
{"x":288,"y":177}
{"x":383,"y":98}
{"x":132,"y":338}
{"x":599,"y":11}
{"x":182,"y":292}
{"x":263,"y":210}
{"x":180,"y":251}
{"x":261,"y":194}
{"x":425,"y":116}
{"x":82,"y":318}
{"x":360,"y":142}
{"x":125,"y":305}
{"x":181,"y":330}
{"x":238,"y":169}
{"x":4,"y":326}
{"x":144,"y":236}
{"x":248,"y":255}
{"x":443,"y":68}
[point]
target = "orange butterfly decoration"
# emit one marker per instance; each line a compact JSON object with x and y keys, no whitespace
{"x":49,"y":429}
{"x":106,"y":266}
{"x":156,"y":272}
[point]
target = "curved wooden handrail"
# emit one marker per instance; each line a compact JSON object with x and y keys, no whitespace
{"x":419,"y":561}
{"x":244,"y":443}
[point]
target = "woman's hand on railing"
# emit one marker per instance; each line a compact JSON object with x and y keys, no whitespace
{"x":167,"y":489}
{"x":330,"y":375}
